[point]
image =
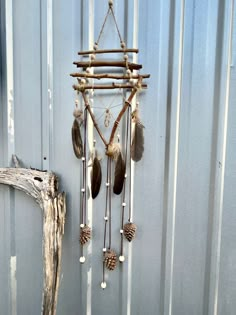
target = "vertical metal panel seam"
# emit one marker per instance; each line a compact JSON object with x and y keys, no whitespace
{"x":11,"y":148}
{"x":178,"y":105}
{"x":50,"y":78}
{"x":130,"y":254}
{"x":90,"y":146}
{"x":223,"y":156}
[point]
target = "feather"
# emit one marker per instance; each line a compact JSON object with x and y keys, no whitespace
{"x":76,"y":139}
{"x":119,"y":175}
{"x":137,"y":145}
{"x":96,"y":177}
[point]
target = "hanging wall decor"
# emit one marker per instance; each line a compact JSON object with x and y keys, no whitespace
{"x":121,"y":133}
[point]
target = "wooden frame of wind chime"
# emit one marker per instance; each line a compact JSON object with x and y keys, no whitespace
{"x":128,"y":80}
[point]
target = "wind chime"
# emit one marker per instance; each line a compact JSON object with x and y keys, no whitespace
{"x":122,"y":75}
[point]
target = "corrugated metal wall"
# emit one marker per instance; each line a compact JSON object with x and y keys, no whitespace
{"x":183,"y":261}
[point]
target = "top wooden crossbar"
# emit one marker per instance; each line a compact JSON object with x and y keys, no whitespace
{"x":107,"y":51}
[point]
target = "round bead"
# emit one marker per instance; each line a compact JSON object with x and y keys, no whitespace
{"x":107,"y":184}
{"x":104,"y":250}
{"x":122,"y":258}
{"x":103,"y":285}
{"x":92,"y":57}
{"x":83,"y":158}
{"x":82,"y":81}
{"x":122,"y":44}
{"x":82,"y":259}
{"x":106,"y":218}
{"x":123,"y":204}
{"x":126,"y":57}
{"x":81,"y":225}
{"x":125,"y":175}
{"x":128,"y":71}
{"x":95,"y":46}
{"x":121,"y":231}
{"x":88,"y":70}
{"x":83,"y":189}
{"x":76,"y":102}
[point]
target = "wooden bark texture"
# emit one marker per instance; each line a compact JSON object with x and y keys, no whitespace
{"x":43,"y":187}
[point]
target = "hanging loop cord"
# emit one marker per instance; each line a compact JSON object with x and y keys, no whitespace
{"x":117,"y":28}
{"x":110,"y":9}
{"x":103,"y":25}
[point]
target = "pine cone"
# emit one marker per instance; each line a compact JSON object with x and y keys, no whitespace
{"x":129,"y":231}
{"x":85,"y":235}
{"x":110,"y":259}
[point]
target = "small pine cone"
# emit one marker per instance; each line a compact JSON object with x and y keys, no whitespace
{"x":110,"y":259}
{"x":129,"y":231}
{"x":85,"y":235}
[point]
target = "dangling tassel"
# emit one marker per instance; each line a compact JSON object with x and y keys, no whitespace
{"x":96,"y":177}
{"x":119,"y":175}
{"x":76,"y":134}
{"x":137,"y":145}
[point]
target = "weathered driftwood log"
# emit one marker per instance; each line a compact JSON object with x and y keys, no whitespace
{"x":43,"y":187}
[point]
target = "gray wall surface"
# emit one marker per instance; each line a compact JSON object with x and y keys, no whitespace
{"x":183,"y":260}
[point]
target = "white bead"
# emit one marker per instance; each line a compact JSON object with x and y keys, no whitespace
{"x":83,"y":189}
{"x":83,"y":158}
{"x":122,"y":44}
{"x":81,"y":225}
{"x":103,"y":285}
{"x":122,"y":258}
{"x":92,"y":57}
{"x":105,"y":218}
{"x":107,"y":184}
{"x":126,"y":57}
{"x":104,"y":250}
{"x":76,"y":102}
{"x":82,"y":259}
{"x":88,"y":70}
{"x":123,"y":204}
{"x":125,"y":175}
{"x":128,"y":71}
{"x":95,"y":46}
{"x":121,"y":231}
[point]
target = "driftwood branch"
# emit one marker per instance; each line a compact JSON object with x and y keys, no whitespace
{"x":82,"y":87}
{"x":108,"y":76}
{"x":43,"y":187}
{"x":104,"y":63}
{"x":127,"y":104}
{"x":107,"y":51}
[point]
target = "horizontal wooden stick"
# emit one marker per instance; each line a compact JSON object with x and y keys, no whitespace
{"x":108,"y":76}
{"x":104,"y":63}
{"x":83,"y":87}
{"x":107,"y":51}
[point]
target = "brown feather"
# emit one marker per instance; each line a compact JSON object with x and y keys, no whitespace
{"x":96,"y":177}
{"x":137,"y":145}
{"x":77,"y":140}
{"x":119,"y":175}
